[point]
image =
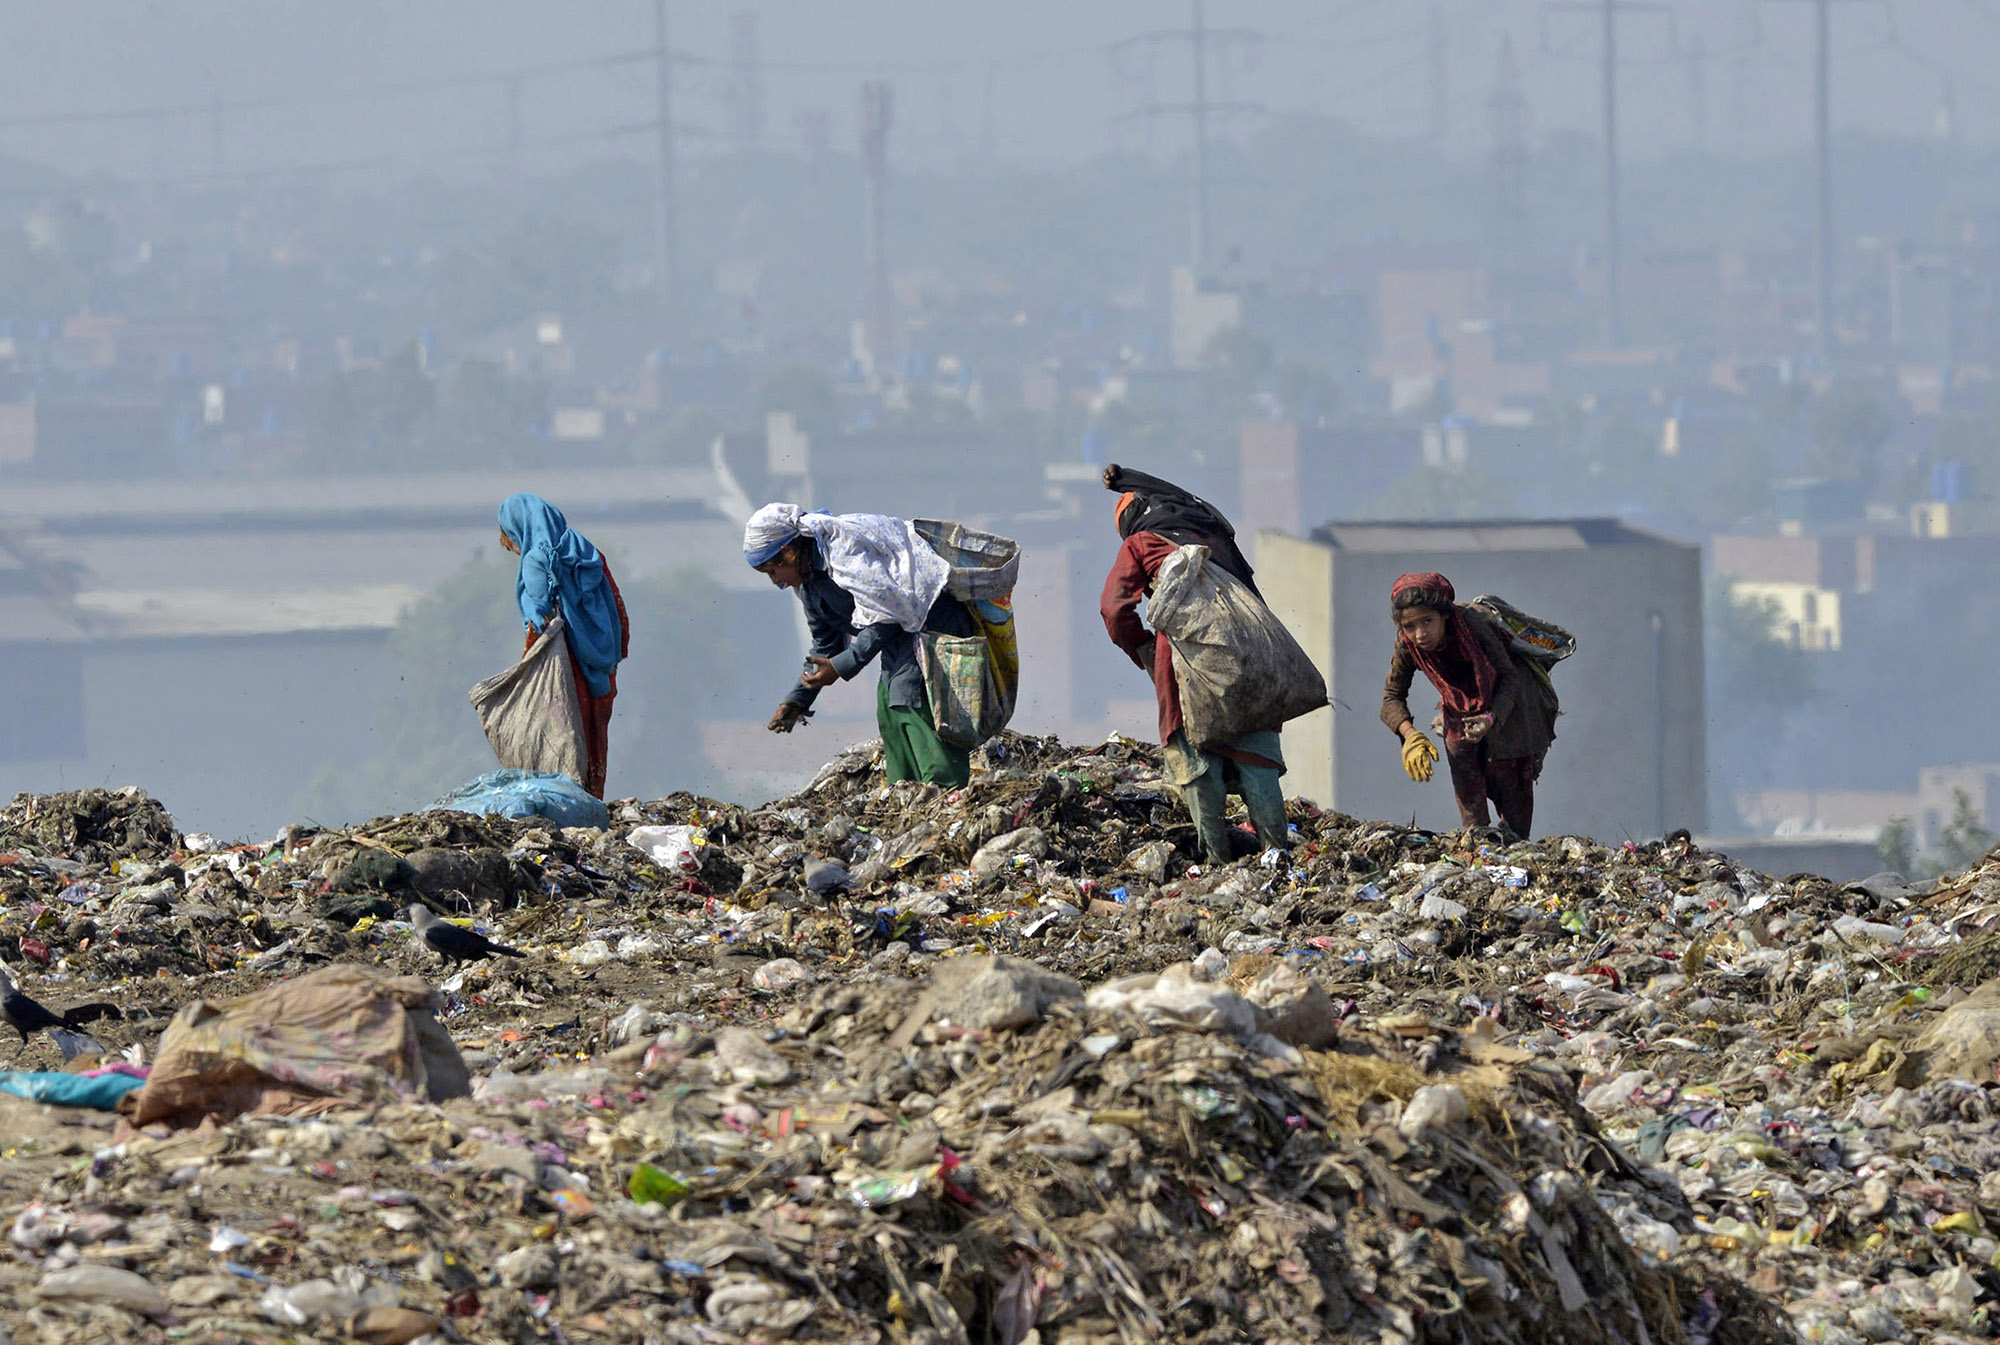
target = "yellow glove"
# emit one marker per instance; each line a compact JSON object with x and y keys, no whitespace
{"x":1419,"y":757}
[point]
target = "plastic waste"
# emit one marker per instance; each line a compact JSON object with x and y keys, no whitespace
{"x":515,"y":793}
{"x":677,"y":847}
{"x":101,"y":1092}
{"x":649,"y":1185}
{"x":107,"y":1285}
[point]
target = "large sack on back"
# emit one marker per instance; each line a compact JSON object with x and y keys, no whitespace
{"x":973,"y":681}
{"x":530,"y":712}
{"x":339,"y":1035}
{"x":1239,"y":670}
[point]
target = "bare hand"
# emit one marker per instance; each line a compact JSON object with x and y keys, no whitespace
{"x":1477,"y":727}
{"x":788,"y":717}
{"x":822,"y":674}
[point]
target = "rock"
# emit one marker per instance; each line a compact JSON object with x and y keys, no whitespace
{"x":1292,"y":1007}
{"x":997,"y":992}
{"x":390,"y":1326}
{"x":999,"y":852}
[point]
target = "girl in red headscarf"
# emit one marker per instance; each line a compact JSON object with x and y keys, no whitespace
{"x":1498,"y":717}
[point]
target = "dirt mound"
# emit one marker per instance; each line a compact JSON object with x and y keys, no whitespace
{"x":889,"y":1062}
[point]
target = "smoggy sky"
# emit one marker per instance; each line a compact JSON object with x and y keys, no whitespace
{"x":324,"y":85}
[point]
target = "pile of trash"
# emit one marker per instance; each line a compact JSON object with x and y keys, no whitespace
{"x":1009,"y":1062}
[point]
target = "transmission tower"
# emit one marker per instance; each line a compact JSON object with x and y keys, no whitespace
{"x":746,"y":92}
{"x":1607,"y":12}
{"x":877,"y":110}
{"x":1202,"y":41}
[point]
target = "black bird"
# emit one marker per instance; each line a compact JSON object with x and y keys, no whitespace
{"x":824,"y":877}
{"x":25,"y":1015}
{"x":454,"y":944}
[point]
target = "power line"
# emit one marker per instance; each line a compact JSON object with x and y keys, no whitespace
{"x":210,"y":106}
{"x":1198,"y":109}
{"x":1608,"y":12}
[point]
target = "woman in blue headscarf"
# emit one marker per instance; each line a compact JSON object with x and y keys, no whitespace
{"x":561,"y":572}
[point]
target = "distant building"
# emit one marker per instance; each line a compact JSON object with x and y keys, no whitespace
{"x":1629,"y":760}
{"x":1291,"y":473}
{"x":1803,"y":616}
{"x":1436,"y":331}
{"x":1197,"y":314}
{"x":1930,"y":809}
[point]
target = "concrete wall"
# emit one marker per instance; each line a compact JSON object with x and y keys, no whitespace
{"x":1604,"y":777}
{"x":1296,"y":579}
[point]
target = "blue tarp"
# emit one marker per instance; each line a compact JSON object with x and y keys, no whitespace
{"x":69,"y":1090}
{"x":527,"y":794}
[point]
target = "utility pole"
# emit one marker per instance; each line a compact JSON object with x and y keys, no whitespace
{"x":666,"y":227}
{"x":1608,"y":12}
{"x":989,"y":131}
{"x":1823,"y":240}
{"x":510,"y":92}
{"x":1823,"y":162}
{"x":1199,"y":110}
{"x":1614,"y":323}
{"x":1697,"y":66}
{"x":1198,"y":207}
{"x":1439,"y":50}
{"x":877,"y":110}
{"x":747,"y":77}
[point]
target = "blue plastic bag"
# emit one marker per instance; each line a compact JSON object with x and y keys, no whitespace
{"x":527,"y":794}
{"x":69,"y":1090}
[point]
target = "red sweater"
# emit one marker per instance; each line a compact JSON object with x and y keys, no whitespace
{"x":1139,"y":560}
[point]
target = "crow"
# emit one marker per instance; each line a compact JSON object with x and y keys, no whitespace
{"x":25,"y":1015}
{"x":454,"y":944}
{"x":824,"y":877}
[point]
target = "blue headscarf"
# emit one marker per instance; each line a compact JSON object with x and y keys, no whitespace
{"x":561,"y":570}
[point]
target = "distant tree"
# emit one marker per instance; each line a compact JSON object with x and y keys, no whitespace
{"x":1443,"y":493}
{"x":1756,"y":678}
{"x":804,"y":391}
{"x":367,"y":417}
{"x":681,"y":440}
{"x":484,"y":417}
{"x":1896,"y":847}
{"x":465,"y":629}
{"x":1850,"y":428}
{"x":1964,"y":841}
{"x":1143,"y":430}
{"x":1241,"y":352}
{"x":1307,"y":394}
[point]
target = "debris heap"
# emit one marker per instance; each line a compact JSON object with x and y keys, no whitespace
{"x":1004,"y":1063}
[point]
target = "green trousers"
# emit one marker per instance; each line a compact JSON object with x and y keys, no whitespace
{"x":1207,"y":779}
{"x":911,"y":749}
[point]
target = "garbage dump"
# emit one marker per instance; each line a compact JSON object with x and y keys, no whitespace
{"x":1004,"y":1063}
